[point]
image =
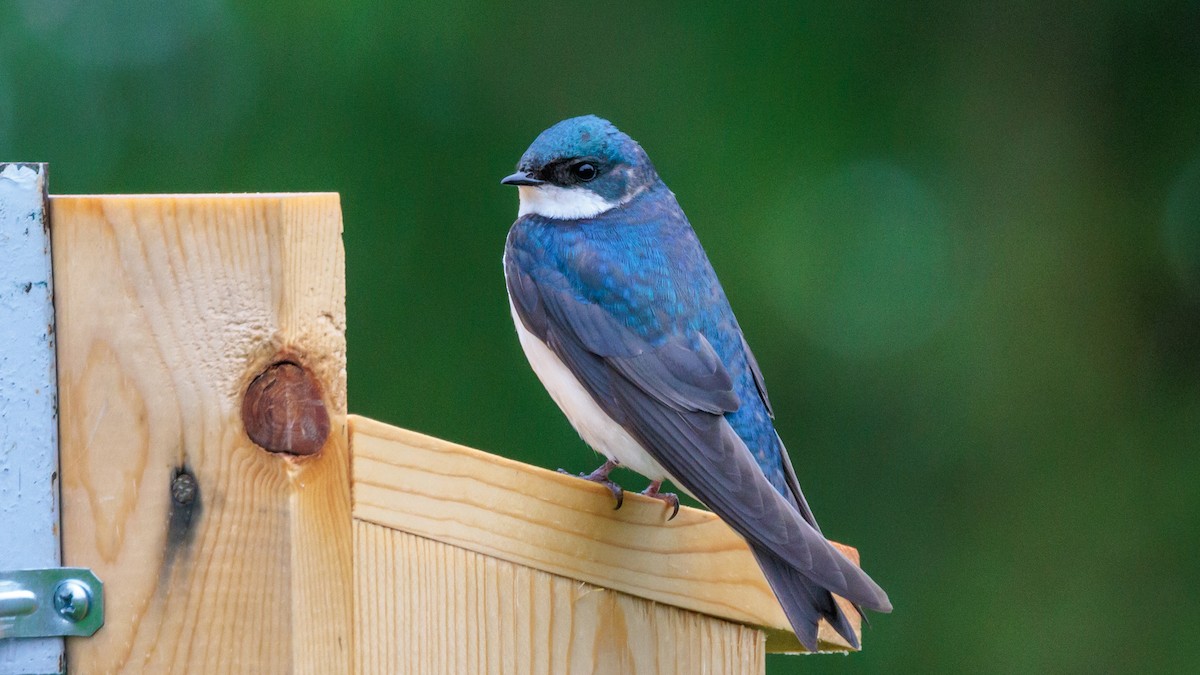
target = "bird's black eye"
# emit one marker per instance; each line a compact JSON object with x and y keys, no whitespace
{"x":584,"y":171}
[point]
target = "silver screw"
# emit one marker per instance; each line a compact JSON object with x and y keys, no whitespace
{"x":72,"y":600}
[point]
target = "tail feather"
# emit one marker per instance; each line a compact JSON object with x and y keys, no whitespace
{"x":804,"y":602}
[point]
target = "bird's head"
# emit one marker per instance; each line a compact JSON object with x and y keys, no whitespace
{"x":580,"y":168}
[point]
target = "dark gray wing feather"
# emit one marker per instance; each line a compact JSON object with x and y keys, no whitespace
{"x":683,"y":378}
{"x":789,"y":471}
{"x":789,"y":474}
{"x":703,"y":453}
{"x":756,"y":373}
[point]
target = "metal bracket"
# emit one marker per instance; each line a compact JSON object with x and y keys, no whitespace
{"x":50,"y":602}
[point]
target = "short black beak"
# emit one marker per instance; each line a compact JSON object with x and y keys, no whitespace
{"x":522,"y":178}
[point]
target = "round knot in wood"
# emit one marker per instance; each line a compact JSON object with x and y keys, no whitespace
{"x":283,"y":410}
{"x":183,"y":488}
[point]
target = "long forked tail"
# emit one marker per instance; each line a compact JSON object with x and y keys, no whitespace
{"x":804,"y":602}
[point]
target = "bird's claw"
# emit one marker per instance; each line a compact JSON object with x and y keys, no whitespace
{"x":601,"y":476}
{"x":670,"y":498}
{"x":617,"y":491}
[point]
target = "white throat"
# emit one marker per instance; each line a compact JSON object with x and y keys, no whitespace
{"x":552,"y":201}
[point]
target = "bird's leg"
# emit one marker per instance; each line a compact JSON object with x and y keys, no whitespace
{"x":601,"y":476}
{"x":670,"y":498}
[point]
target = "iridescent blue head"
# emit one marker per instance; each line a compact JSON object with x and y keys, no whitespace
{"x":580,"y":168}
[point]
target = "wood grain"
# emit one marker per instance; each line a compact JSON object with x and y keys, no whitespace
{"x":564,"y":526}
{"x":428,"y":608}
{"x":168,"y":307}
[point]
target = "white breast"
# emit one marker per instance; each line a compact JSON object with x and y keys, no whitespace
{"x":593,"y":424}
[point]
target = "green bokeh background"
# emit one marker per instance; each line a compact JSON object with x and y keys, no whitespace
{"x":963,"y":240}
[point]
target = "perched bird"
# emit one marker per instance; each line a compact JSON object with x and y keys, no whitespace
{"x":622,"y":318}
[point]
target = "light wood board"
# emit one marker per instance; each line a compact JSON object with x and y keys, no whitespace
{"x":428,"y":608}
{"x":564,"y":526}
{"x":168,"y":306}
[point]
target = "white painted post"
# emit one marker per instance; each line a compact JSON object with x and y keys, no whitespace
{"x":28,"y":400}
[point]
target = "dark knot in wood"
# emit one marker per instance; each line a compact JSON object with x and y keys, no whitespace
{"x":186,"y":508}
{"x":283,"y":410}
{"x":183,"y":488}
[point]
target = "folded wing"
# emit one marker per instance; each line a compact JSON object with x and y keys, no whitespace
{"x":670,"y":392}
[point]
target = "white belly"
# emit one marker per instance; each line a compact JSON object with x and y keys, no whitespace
{"x":593,"y":424}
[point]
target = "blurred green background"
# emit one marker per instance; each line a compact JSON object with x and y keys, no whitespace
{"x":963,"y":240}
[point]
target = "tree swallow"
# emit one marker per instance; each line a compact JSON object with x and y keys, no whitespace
{"x":623,"y":320}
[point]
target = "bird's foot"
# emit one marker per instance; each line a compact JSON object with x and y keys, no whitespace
{"x":670,"y":498}
{"x":600,"y":476}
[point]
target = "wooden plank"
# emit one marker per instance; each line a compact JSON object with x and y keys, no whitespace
{"x":564,"y":526}
{"x":217,"y":556}
{"x":426,"y":607}
{"x":28,"y":400}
